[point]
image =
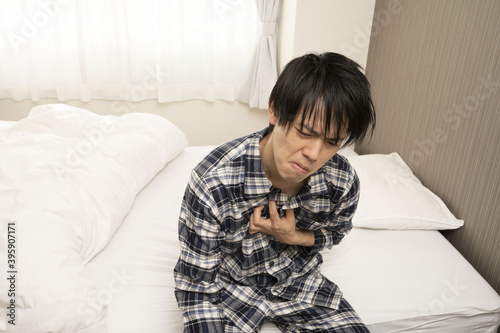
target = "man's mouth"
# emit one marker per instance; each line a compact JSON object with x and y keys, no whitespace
{"x":299,"y":167}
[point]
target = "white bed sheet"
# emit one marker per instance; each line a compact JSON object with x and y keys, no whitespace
{"x":398,"y":281}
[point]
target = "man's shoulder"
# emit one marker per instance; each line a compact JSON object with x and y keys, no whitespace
{"x":338,"y":162}
{"x":230,"y":154}
{"x":339,"y":168}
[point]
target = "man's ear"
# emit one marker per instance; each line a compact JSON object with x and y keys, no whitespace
{"x":273,"y":118}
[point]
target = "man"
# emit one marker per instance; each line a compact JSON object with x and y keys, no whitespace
{"x":257,"y":210}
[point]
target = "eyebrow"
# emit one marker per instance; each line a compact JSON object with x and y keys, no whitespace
{"x":318,"y":134}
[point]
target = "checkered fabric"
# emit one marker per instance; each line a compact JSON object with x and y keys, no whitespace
{"x":218,"y":253}
{"x":245,"y":309}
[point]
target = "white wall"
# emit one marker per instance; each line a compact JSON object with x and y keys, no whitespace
{"x":305,"y":26}
{"x":325,"y":25}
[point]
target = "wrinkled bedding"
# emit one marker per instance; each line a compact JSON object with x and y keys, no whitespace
{"x":68,"y":178}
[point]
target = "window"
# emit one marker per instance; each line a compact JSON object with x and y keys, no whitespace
{"x":131,"y":50}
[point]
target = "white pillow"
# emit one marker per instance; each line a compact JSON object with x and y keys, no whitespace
{"x":347,"y":151}
{"x":392,"y":197}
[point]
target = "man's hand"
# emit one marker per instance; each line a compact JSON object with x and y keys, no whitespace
{"x":281,"y":228}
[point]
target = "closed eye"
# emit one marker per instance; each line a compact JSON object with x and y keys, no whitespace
{"x":333,"y":143}
{"x":302,"y":133}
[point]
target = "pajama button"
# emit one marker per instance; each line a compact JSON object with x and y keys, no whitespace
{"x":271,"y":264}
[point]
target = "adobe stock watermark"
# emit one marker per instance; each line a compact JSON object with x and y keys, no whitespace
{"x":224,"y":6}
{"x":449,"y":294}
{"x":139,"y":92}
{"x":31,"y":26}
{"x":455,"y":116}
{"x":89,"y":310}
{"x":381,"y":19}
{"x":94,"y":135}
{"x":76,"y":154}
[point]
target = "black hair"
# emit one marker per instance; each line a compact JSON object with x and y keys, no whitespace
{"x":329,"y":84}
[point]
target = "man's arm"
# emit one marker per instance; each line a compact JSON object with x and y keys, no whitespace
{"x":340,"y":219}
{"x":200,"y":239}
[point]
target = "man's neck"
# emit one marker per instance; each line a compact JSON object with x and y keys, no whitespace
{"x":269,"y":164}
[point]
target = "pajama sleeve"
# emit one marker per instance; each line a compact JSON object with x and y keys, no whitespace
{"x":340,"y":218}
{"x":200,"y":239}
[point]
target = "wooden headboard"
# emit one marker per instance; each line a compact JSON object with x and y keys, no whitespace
{"x":434,"y":67}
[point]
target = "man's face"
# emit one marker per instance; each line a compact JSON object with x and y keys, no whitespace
{"x":299,"y":152}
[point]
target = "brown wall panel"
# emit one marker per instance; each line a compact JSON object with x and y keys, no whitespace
{"x":434,"y":66}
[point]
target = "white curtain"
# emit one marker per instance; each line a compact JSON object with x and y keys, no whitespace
{"x":264,"y":70}
{"x":130,"y":50}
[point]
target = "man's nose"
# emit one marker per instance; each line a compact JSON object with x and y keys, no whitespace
{"x":313,"y":148}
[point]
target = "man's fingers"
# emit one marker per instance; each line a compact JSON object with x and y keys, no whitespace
{"x":252,"y":228}
{"x":255,"y":218}
{"x":258,"y":210}
{"x":273,"y":209}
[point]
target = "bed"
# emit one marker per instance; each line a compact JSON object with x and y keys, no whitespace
{"x":90,"y":206}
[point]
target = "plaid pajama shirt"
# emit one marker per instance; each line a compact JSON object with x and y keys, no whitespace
{"x":228,"y":280}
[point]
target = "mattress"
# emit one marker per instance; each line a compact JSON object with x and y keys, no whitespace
{"x":397,"y":280}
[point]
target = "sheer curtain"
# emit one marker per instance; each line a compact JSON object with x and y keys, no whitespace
{"x":130,"y":50}
{"x":264,"y":70}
